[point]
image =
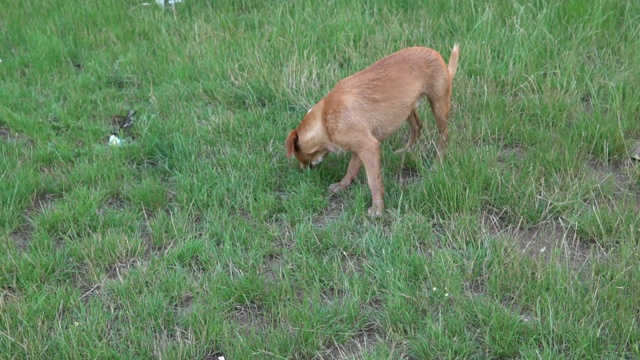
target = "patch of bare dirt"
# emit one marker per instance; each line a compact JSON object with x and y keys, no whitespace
{"x":250,"y":315}
{"x":355,"y":348}
{"x":622,"y":176}
{"x":119,"y":269}
{"x":273,"y":267}
{"x":42,"y":201}
{"x":7,"y":294}
{"x":116,"y":202}
{"x":586,"y":103}
{"x":22,"y":235}
{"x":542,"y":240}
{"x":282,"y":233}
{"x":353,"y":263}
{"x":157,"y":241}
{"x":408,"y":176}
{"x":619,"y":173}
{"x":8,"y":135}
{"x":90,"y":292}
{"x":545,"y":239}
{"x":185,"y":302}
{"x":152,"y":248}
{"x":4,"y":132}
{"x":331,"y":213}
{"x":515,"y":152}
{"x":183,"y":306}
{"x":115,"y":272}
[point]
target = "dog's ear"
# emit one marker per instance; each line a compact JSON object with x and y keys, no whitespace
{"x":292,"y":141}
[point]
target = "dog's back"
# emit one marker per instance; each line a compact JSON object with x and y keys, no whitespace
{"x":382,"y":96}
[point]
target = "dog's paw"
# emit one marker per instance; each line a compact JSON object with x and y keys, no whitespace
{"x":373,"y":212}
{"x":337,"y":187}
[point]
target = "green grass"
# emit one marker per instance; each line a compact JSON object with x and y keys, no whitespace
{"x":199,"y":238}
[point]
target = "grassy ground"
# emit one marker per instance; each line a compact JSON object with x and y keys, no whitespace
{"x":199,"y":238}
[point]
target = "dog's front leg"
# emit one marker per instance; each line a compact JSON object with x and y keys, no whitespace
{"x":352,"y":171}
{"x":370,"y":156}
{"x":415,"y":126}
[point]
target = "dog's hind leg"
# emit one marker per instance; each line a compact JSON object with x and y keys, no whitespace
{"x":440,"y":108}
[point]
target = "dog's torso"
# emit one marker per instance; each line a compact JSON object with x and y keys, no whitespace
{"x":387,"y":91}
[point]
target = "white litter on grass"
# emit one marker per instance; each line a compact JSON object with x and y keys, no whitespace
{"x":635,"y":151}
{"x":167,"y":2}
{"x":114,"y":141}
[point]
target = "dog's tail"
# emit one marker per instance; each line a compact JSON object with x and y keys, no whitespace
{"x":453,"y":60}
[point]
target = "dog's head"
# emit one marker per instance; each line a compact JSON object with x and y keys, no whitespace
{"x":309,"y":155}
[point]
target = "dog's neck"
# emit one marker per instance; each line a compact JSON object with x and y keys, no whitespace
{"x":312,"y":132}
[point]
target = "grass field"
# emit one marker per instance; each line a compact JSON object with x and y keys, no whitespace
{"x":197,"y":238}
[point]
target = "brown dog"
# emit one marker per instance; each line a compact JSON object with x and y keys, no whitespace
{"x":369,"y":106}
